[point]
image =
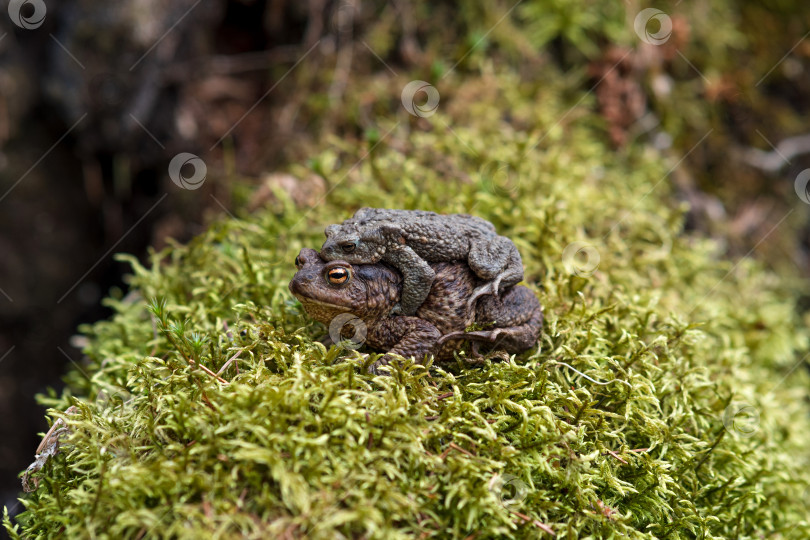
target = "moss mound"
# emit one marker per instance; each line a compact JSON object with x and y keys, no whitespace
{"x":665,"y":399}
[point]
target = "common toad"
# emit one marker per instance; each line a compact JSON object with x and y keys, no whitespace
{"x":512,"y":320}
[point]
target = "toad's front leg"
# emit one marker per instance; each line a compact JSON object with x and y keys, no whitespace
{"x":417,"y":278}
{"x":409,"y":337}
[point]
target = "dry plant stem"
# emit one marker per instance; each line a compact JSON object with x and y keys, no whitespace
{"x":193,"y":363}
{"x":534,"y":522}
{"x":228,"y":363}
{"x":207,"y":371}
{"x":56,"y":425}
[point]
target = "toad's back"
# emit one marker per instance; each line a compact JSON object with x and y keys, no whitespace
{"x":409,"y":219}
{"x":434,"y":237}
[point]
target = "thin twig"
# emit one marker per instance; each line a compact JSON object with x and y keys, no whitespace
{"x":617,"y":456}
{"x":192,"y":362}
{"x":454,"y":446}
{"x":228,"y":363}
{"x":437,"y":398}
{"x":208,"y":371}
{"x":534,"y":522}
{"x":46,"y":440}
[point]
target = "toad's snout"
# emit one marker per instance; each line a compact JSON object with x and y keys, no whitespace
{"x":302,"y":281}
{"x":306,"y":257}
{"x":309,"y":271}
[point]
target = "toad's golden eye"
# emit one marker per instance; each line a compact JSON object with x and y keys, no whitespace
{"x":338,"y":276}
{"x":348,"y":247}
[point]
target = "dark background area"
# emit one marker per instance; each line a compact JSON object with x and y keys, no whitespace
{"x":96,"y":101}
{"x":80,"y":179}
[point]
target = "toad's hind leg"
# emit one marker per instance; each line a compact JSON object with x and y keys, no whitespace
{"x":502,"y":256}
{"x":489,"y":336}
{"x":518,"y":316}
{"x":512,"y":340}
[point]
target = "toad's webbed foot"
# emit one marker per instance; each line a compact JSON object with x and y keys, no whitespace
{"x":412,"y":337}
{"x":490,"y":336}
{"x":491,"y":287}
{"x":476,"y":338}
{"x":497,"y":260}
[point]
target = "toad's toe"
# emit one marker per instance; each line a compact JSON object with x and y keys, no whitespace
{"x":483,"y":290}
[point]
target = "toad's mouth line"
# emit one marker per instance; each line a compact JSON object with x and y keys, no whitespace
{"x":307,"y":300}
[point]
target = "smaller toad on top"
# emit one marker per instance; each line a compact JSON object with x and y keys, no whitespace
{"x":410,"y":239}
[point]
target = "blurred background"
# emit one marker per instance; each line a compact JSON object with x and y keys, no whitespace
{"x":96,"y":99}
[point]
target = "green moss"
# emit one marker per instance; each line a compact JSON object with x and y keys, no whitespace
{"x":301,"y":442}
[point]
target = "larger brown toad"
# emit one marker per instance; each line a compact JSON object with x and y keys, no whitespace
{"x":331,"y":291}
